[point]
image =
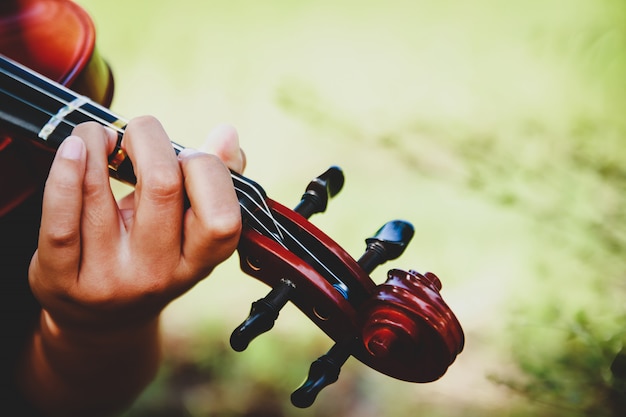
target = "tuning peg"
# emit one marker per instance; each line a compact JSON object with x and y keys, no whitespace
{"x":263,"y":315}
{"x":387,"y":244}
{"x":323,"y":372}
{"x":319,"y":191}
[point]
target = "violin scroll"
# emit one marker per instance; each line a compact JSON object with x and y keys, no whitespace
{"x":410,"y":327}
{"x":401,"y":328}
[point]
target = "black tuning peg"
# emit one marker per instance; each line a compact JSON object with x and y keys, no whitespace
{"x":319,"y":191}
{"x":387,"y":244}
{"x":323,"y":372}
{"x":263,"y":315}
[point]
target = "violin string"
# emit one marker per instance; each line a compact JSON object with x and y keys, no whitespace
{"x":344,"y":288}
{"x":264,"y":209}
{"x":104,"y":122}
{"x":48,"y":94}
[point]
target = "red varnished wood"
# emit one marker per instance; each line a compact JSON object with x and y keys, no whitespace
{"x":408,"y":327}
{"x":54,"y":38}
{"x":269,"y":262}
{"x":405,"y":328}
{"x":402,"y":328}
{"x":57,"y":39}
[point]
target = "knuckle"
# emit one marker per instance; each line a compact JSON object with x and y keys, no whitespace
{"x":96,"y":301}
{"x":61,"y":235}
{"x":89,"y":126}
{"x":202,"y":165}
{"x":225,"y":227}
{"x":96,"y":218}
{"x":141,"y":122}
{"x":202,"y":159}
{"x":93,"y":184}
{"x":159,"y":185}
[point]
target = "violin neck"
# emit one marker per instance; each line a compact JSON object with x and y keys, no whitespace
{"x":35,"y":107}
{"x":38,"y":108}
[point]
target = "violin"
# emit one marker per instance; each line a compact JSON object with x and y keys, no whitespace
{"x":52,"y":78}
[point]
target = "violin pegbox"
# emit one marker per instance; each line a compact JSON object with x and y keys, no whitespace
{"x":401,"y":328}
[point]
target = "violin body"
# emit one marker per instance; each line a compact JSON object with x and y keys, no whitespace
{"x":57,"y":39}
{"x":401,"y":327}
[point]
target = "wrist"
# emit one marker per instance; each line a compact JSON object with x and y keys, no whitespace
{"x":67,"y":368}
{"x":99,"y":333}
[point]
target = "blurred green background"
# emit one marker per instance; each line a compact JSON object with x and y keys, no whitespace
{"x":495,"y":127}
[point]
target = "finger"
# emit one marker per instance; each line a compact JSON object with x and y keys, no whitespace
{"x":126,"y":207}
{"x":59,"y":236}
{"x":157,"y":225}
{"x":223,"y":141}
{"x":213,"y":222}
{"x":101,"y":226}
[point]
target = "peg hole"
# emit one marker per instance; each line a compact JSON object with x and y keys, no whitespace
{"x":253,"y":263}
{"x":321,"y":314}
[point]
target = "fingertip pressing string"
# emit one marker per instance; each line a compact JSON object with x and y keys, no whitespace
{"x":242,"y":184}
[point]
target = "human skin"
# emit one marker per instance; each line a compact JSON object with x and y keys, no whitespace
{"x":105,"y":269}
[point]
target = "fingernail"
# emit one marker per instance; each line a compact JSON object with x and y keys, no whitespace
{"x":72,"y":148}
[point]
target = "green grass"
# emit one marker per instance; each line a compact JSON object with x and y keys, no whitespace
{"x":495,"y":127}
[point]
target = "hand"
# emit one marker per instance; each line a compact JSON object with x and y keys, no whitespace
{"x":104,"y":270}
{"x":102,"y":264}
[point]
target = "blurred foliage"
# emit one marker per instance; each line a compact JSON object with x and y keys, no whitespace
{"x":570,"y":370}
{"x":202,"y":377}
{"x":496,"y":127}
